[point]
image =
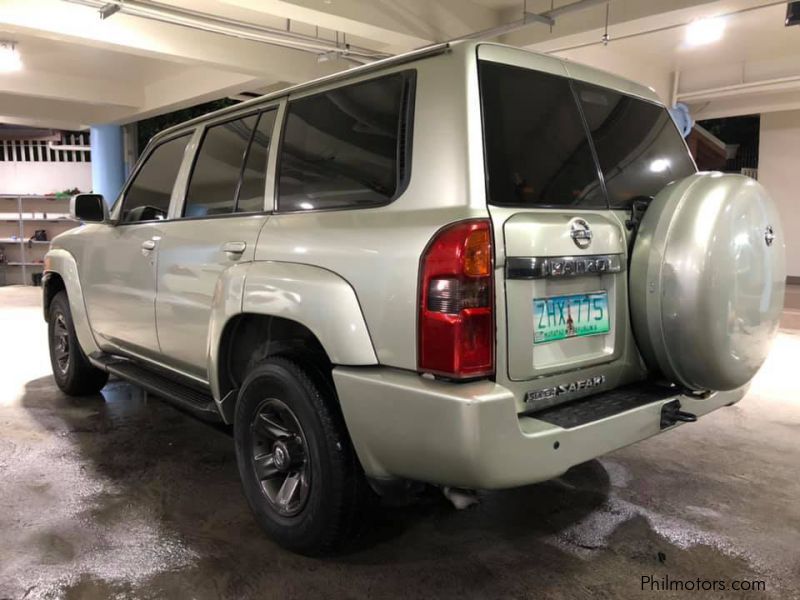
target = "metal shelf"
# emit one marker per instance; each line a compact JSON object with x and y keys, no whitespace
{"x":22,"y":241}
{"x":32,"y":197}
{"x":64,"y":220}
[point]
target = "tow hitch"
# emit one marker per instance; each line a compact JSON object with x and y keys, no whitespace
{"x":671,"y":413}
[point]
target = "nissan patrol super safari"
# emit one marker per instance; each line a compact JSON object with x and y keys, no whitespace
{"x":469,"y":266}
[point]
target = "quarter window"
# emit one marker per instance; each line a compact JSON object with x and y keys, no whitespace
{"x":218,"y":167}
{"x":537,"y":150}
{"x":148,"y":196}
{"x":346,"y":147}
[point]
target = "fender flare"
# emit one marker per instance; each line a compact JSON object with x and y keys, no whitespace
{"x":320,"y":300}
{"x":63,"y":263}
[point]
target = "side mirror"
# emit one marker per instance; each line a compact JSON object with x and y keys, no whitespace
{"x":90,"y":208}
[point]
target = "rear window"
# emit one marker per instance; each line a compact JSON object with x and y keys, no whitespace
{"x":347,"y":147}
{"x":639,"y":148}
{"x":537,"y":151}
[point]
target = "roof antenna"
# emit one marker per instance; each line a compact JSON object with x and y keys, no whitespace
{"x":605,"y":37}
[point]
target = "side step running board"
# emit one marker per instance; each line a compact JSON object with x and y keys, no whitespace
{"x":199,"y":403}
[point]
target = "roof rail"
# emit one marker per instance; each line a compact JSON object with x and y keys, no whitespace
{"x":425,"y":52}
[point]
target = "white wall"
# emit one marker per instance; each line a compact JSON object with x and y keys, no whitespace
{"x":44,"y":177}
{"x":778,"y":170}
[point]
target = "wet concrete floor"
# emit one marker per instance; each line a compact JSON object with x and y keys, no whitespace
{"x":120,"y":495}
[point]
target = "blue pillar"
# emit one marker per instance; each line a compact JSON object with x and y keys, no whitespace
{"x":108,"y":162}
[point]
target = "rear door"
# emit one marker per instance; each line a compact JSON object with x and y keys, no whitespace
{"x":215,"y":227}
{"x":564,"y":247}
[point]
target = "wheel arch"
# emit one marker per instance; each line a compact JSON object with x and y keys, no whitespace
{"x":52,"y":283}
{"x":61,"y":273}
{"x":270,"y":308}
{"x":250,"y":337}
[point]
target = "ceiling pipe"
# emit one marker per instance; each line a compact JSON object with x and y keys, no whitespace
{"x":568,"y":8}
{"x":751,"y":87}
{"x":324,"y":49}
{"x":156,"y":11}
{"x":547,"y":18}
{"x":644,"y":32}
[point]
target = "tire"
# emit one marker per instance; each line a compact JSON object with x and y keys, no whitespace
{"x":707,"y":276}
{"x":289,"y":432}
{"x":73,"y":372}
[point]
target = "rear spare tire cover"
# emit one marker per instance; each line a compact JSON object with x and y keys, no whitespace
{"x":707,"y":278}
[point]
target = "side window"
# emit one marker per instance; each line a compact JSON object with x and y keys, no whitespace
{"x":217,"y":168}
{"x":147,"y":198}
{"x":537,"y":150}
{"x":638,"y":146}
{"x":346,"y":147}
{"x":251,"y":192}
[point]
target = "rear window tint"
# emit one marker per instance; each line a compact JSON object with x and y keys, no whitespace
{"x":639,"y":148}
{"x":537,"y":151}
{"x":345,"y":148}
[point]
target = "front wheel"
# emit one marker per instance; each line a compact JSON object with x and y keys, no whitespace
{"x":298,"y":469}
{"x":73,"y":372}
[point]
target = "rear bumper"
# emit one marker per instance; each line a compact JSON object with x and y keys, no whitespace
{"x":469,"y":435}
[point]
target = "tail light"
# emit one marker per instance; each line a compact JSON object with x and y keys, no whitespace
{"x":456,"y":305}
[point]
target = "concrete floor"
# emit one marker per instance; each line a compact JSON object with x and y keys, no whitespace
{"x":120,"y":495}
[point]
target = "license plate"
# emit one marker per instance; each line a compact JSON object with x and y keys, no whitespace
{"x":577,"y":315}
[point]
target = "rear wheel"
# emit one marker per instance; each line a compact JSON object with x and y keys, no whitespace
{"x":73,"y":372}
{"x":299,"y":472}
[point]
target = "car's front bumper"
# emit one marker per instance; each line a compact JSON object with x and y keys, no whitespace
{"x":470,"y":435}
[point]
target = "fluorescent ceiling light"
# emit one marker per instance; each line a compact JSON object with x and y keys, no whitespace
{"x":705,"y":31}
{"x":9,"y":57}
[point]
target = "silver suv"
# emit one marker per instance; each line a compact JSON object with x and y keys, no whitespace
{"x":469,"y":266}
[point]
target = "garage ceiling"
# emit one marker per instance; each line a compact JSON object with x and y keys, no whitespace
{"x":81,"y":69}
{"x":752,"y":61}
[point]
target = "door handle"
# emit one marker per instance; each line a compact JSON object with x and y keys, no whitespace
{"x":234,"y":247}
{"x":149,"y":245}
